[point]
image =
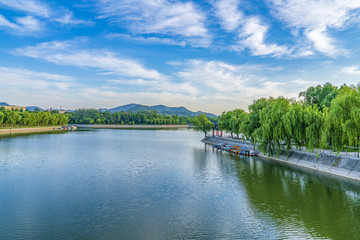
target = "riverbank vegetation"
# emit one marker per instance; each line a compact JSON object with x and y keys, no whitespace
{"x":327,"y":117}
{"x":93,"y":116}
{"x":19,"y":118}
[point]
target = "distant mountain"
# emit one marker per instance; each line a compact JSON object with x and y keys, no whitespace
{"x":129,"y":107}
{"x":161,"y":109}
{"x":32,"y":108}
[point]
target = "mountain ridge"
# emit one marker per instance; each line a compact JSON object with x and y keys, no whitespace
{"x":161,"y":109}
{"x":134,"y":107}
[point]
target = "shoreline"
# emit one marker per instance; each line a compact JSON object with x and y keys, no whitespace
{"x":340,"y":166}
{"x":10,"y":131}
{"x":114,"y":126}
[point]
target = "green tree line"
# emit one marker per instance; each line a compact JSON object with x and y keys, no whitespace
{"x":93,"y":116}
{"x":19,"y":118}
{"x":327,"y":117}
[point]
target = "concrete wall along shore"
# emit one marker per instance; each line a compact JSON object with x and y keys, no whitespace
{"x":336,"y":164}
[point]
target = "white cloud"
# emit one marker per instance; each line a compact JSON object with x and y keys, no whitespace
{"x":308,"y":20}
{"x":316,"y":18}
{"x":212,"y":86}
{"x":25,"y":87}
{"x":160,"y":17}
{"x":6,"y":23}
{"x":351,"y":70}
{"x":23,"y":74}
{"x":306,"y":83}
{"x":53,"y":90}
{"x":22,"y":25}
{"x":254,"y":34}
{"x":217,"y":78}
{"x":322,"y":42}
{"x":66,"y":17}
{"x":250,"y":29}
{"x":29,"y":23}
{"x":208,"y":85}
{"x":228,"y":13}
{"x":148,"y":40}
{"x":32,"y":7}
{"x":41,"y":10}
{"x":214,"y":75}
{"x":27,"y":81}
{"x":66,"y":53}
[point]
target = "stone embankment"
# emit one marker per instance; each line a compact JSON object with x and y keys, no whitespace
{"x":344,"y":166}
{"x":33,"y":130}
{"x":113,"y":126}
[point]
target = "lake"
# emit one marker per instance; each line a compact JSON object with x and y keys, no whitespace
{"x":162,"y":184}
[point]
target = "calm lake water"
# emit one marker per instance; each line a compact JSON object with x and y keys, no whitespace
{"x":164,"y":184}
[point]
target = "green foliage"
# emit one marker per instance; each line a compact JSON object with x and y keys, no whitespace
{"x":314,"y":125}
{"x":202,"y":123}
{"x":342,"y":125}
{"x":233,"y":121}
{"x":294,"y":122}
{"x":320,"y":95}
{"x":328,"y":117}
{"x":252,"y":125}
{"x":272,"y":129}
{"x":16,"y":118}
{"x":93,"y":116}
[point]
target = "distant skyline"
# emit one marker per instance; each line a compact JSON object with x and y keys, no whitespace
{"x":208,"y":55}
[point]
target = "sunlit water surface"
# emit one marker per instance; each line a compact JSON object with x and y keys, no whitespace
{"x":164,"y":184}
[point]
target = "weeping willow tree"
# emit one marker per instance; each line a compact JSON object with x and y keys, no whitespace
{"x":252,"y":126}
{"x":352,"y":128}
{"x":329,"y":117}
{"x":342,"y":125}
{"x":284,"y":123}
{"x":273,"y":132}
{"x":294,"y":122}
{"x":314,"y":125}
{"x":236,"y":121}
{"x":233,"y":121}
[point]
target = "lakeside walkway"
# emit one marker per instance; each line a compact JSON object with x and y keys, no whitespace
{"x":335,"y":164}
{"x":300,"y":149}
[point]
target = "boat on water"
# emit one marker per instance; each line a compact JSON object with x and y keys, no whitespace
{"x":235,"y":149}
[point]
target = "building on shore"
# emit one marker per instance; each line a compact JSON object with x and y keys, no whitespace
{"x":14,"y":108}
{"x":216,"y":131}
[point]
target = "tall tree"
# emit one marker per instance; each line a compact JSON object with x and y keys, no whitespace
{"x":320,"y":95}
{"x":202,"y":124}
{"x":252,"y":126}
{"x":273,"y":133}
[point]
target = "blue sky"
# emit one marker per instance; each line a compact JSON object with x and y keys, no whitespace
{"x":210,"y":55}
